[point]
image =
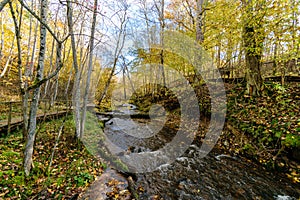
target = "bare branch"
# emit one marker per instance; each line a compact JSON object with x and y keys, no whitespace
{"x":58,"y":68}
{"x":3,"y":3}
{"x":42,"y":22}
{"x":17,"y":33}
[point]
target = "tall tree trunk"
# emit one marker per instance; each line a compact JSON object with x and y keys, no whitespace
{"x":18,"y":37}
{"x":51,"y":66}
{"x":6,"y":66}
{"x":27,"y":71}
{"x":162,"y":29}
{"x":199,"y":32}
{"x":23,"y":85}
{"x":275,"y":59}
{"x":239,"y":60}
{"x":161,"y":18}
{"x":28,"y":75}
{"x":78,"y":42}
{"x":150,"y":42}
{"x":90,"y":68}
{"x":2,"y":36}
{"x":32,"y":59}
{"x":229,"y":59}
{"x":76,"y":86}
{"x":253,"y":42}
{"x":219,"y":54}
{"x":199,"y":21}
{"x":124,"y":81}
{"x":36,"y":93}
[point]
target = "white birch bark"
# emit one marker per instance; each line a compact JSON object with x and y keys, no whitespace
{"x":36,"y":93}
{"x":6,"y":66}
{"x":90,"y":68}
{"x":28,"y":75}
{"x":76,"y":86}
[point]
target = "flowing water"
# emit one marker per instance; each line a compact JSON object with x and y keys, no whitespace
{"x":216,"y":176}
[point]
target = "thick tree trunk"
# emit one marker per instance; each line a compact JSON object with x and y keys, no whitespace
{"x":253,"y":76}
{"x":36,"y":93}
{"x":253,"y":63}
{"x":253,"y":44}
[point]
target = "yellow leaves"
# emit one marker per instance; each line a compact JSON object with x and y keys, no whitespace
{"x":141,"y":189}
{"x":262,"y":161}
{"x":4,"y":193}
{"x":8,"y":83}
{"x":25,"y":79}
{"x":169,"y":15}
{"x":295,"y":176}
{"x":118,"y":192}
{"x":112,"y":182}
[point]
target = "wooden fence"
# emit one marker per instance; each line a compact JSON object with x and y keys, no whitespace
{"x":11,"y":112}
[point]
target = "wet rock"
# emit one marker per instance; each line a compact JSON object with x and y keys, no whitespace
{"x":108,"y":184}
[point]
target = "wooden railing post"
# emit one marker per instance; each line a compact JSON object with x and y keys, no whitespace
{"x":9,"y":118}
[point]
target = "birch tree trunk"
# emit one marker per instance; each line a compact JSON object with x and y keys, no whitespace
{"x":6,"y":66}
{"x":21,"y":83}
{"x":90,"y":68}
{"x":27,"y":70}
{"x":28,"y":75}
{"x":76,"y":86}
{"x":36,"y":93}
{"x":70,"y":76}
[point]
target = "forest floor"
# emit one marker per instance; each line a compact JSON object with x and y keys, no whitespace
{"x":265,"y":129}
{"x":72,"y":170}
